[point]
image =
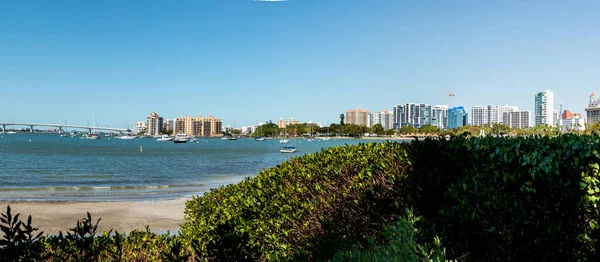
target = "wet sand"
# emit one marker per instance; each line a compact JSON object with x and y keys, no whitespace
{"x":52,"y":217}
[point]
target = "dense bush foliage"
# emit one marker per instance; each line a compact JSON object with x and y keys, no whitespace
{"x":305,"y":208}
{"x":491,"y":199}
{"x":399,"y":245}
{"x":509,"y":199}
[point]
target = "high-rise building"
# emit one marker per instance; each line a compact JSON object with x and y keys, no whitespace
{"x":479,"y":116}
{"x":489,"y":115}
{"x":139,"y":127}
{"x":544,"y":108}
{"x":505,"y":108}
{"x":517,"y":119}
{"x":169,"y":125}
{"x":385,"y":118}
{"x":593,"y":110}
{"x":570,"y":115}
{"x":411,"y":114}
{"x":293,"y":121}
{"x":198,"y":126}
{"x":572,"y":124}
{"x":282,"y":123}
{"x":457,"y":117}
{"x":439,"y":116}
{"x":154,"y":124}
{"x":357,"y":117}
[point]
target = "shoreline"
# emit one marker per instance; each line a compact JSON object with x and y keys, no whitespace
{"x":124,"y":217}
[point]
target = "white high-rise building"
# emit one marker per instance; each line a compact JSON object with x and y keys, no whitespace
{"x":384,"y":118}
{"x":544,"y":108}
{"x":479,"y":116}
{"x":139,"y":127}
{"x":516,"y":119}
{"x":505,"y":108}
{"x":439,"y":116}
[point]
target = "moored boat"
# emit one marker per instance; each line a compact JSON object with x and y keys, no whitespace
{"x":165,"y":138}
{"x":181,"y":138}
{"x":91,"y":136}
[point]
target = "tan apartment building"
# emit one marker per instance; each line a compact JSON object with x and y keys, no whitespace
{"x":198,"y":126}
{"x":154,"y":124}
{"x":282,"y":123}
{"x":358,"y":117}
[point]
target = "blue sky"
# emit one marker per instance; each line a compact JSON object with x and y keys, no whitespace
{"x":246,"y":61}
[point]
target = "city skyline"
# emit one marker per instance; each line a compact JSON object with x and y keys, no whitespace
{"x":248,"y":61}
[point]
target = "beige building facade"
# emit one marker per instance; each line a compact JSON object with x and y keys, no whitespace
{"x":198,"y":126}
{"x":358,"y":117}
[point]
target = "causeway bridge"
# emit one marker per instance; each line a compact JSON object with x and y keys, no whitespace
{"x":61,"y":126}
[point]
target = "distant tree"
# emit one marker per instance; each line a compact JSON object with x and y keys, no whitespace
{"x":377,"y":129}
{"x":354,"y":130}
{"x":593,"y":129}
{"x":428,"y":129}
{"x":500,"y":129}
{"x":342,"y":120}
{"x":407,"y":130}
{"x":389,"y":132}
{"x":268,"y":129}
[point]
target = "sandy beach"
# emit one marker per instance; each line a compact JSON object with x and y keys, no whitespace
{"x":52,"y":217}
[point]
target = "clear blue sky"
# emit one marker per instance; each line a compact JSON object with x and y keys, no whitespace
{"x":245,"y":61}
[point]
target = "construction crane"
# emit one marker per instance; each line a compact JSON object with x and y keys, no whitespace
{"x":449,"y":94}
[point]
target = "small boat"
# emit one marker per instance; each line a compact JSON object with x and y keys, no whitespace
{"x":127,"y":137}
{"x":165,"y":138}
{"x":232,"y":138}
{"x":11,"y":133}
{"x":259,"y":138}
{"x":284,"y":141}
{"x":181,"y":138}
{"x":288,"y":149}
{"x":224,"y":138}
{"x":91,"y":136}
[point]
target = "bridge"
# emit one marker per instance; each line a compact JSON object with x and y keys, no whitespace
{"x":60,"y":127}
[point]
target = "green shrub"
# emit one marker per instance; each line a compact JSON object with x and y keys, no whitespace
{"x":400,"y":245}
{"x":305,"y":208}
{"x":509,"y":199}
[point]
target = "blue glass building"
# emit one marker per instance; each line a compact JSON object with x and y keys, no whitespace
{"x":457,"y":117}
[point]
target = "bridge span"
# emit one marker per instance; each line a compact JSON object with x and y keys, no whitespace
{"x":60,"y":127}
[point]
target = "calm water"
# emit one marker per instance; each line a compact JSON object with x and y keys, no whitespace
{"x":50,"y":167}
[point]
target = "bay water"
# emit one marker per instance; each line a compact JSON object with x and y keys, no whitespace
{"x":47,"y":167}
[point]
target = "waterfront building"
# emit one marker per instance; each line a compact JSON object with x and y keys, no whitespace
{"x":139,"y":127}
{"x":154,"y":124}
{"x":572,"y":124}
{"x":457,"y":117}
{"x":248,"y":130}
{"x":593,"y":110}
{"x":169,"y":125}
{"x":439,"y":116}
{"x":357,"y":117}
{"x":517,"y":119}
{"x":489,"y":115}
{"x":282,"y":123}
{"x":411,"y":114}
{"x":570,"y":115}
{"x":544,"y":108}
{"x":385,"y":118}
{"x":479,"y":116}
{"x":293,"y":121}
{"x":505,"y":108}
{"x":198,"y":126}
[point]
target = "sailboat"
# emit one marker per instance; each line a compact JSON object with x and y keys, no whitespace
{"x":259,"y":137}
{"x":284,"y":140}
{"x":289,"y":149}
